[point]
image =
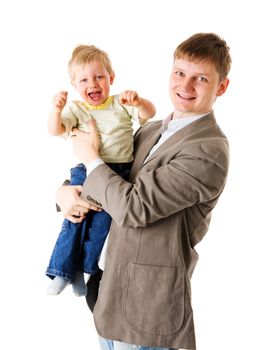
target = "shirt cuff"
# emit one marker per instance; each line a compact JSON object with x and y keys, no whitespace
{"x":91,"y":166}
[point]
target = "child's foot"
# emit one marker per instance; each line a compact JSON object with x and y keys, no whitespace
{"x":57,"y":285}
{"x":79,"y":284}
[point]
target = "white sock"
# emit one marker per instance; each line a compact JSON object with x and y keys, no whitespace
{"x":57,"y":285}
{"x":79,"y":284}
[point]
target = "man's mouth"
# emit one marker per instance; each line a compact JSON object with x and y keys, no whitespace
{"x":185,"y":97}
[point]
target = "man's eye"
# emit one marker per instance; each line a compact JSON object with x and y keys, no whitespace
{"x":99,"y":77}
{"x":202,"y":78}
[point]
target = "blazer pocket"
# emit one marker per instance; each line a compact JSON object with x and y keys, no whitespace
{"x":154,"y":298}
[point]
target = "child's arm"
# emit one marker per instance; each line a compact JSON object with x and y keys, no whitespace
{"x":131,"y":98}
{"x":55,"y":126}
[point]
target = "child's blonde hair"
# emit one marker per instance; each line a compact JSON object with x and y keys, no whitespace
{"x":84,"y":54}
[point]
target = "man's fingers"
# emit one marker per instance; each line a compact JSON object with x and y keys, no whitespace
{"x":74,"y":219}
{"x":79,"y":188}
{"x":92,"y":126}
{"x":84,"y":207}
{"x":75,"y":132}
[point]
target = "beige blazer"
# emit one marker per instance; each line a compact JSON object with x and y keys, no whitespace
{"x":158,"y":219}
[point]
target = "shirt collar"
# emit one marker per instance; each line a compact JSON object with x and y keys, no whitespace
{"x":103,"y":105}
{"x":173,"y":125}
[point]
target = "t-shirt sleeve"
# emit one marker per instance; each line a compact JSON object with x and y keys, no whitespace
{"x":69,"y":119}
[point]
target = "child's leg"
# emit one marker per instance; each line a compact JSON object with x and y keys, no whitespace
{"x":78,"y":175}
{"x":79,"y":288}
{"x":65,"y":257}
{"x":97,"y":230}
{"x":98,"y":227}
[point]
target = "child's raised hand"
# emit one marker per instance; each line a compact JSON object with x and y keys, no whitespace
{"x":130,"y":98}
{"x":60,"y":99}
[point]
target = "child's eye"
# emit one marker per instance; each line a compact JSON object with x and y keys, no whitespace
{"x":99,"y":77}
{"x":179,"y":73}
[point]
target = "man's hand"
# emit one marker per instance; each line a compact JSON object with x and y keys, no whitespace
{"x":73,"y":207}
{"x":86,"y":145}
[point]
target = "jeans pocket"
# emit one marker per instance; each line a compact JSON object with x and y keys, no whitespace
{"x":154,"y":299}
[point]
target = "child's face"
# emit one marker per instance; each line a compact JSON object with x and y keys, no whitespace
{"x":92,"y":81}
{"x":194,"y":87}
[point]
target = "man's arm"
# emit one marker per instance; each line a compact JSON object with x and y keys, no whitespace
{"x":158,"y":192}
{"x":164,"y":186}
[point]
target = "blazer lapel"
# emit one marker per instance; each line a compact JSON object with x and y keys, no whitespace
{"x":154,"y":134}
{"x":144,"y":147}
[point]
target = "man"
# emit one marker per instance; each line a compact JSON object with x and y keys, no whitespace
{"x":179,"y":171}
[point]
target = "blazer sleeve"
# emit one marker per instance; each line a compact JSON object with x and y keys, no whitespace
{"x":162,"y":187}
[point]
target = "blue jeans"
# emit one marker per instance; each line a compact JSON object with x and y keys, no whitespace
{"x":106,"y":344}
{"x":79,"y":246}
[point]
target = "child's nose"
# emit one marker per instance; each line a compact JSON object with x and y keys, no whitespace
{"x":92,"y":83}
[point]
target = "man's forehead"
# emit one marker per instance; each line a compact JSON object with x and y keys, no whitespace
{"x":196,"y":66}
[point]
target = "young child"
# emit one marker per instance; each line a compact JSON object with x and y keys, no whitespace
{"x":78,"y":247}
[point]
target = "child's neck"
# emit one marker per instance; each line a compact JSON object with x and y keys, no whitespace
{"x":102,"y":105}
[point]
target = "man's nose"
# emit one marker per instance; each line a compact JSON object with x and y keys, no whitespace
{"x":187,"y":85}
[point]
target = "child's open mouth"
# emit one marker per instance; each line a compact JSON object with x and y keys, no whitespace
{"x":95,"y":95}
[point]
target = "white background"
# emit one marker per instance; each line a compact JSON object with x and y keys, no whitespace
{"x":37,"y":38}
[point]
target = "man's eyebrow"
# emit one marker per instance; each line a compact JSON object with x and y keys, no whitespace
{"x":194,"y":73}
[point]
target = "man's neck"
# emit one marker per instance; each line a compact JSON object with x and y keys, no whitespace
{"x":180,"y":115}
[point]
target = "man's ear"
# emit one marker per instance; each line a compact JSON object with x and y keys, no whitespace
{"x":222,"y":87}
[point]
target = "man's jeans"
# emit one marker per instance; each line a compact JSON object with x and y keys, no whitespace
{"x":106,"y":344}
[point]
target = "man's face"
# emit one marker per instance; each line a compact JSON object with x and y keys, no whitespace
{"x":194,"y":87}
